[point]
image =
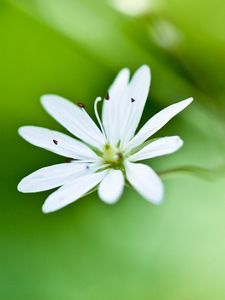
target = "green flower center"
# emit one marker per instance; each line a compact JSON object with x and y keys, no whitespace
{"x":113,"y":156}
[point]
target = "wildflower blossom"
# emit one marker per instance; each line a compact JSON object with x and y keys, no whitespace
{"x":104,"y":156}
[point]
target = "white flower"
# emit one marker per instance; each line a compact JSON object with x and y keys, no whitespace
{"x":134,"y":7}
{"x":103,"y":157}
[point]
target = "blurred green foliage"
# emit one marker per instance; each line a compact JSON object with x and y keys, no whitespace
{"x":131,"y":250}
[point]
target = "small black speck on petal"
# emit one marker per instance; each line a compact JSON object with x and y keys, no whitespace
{"x":132,"y":100}
{"x":107,"y":96}
{"x":55,"y":142}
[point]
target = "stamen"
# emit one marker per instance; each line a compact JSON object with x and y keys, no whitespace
{"x":120,"y":156}
{"x":107,"y":96}
{"x":132,"y":100}
{"x":55,"y":142}
{"x":98,"y":99}
{"x":87,"y":167}
{"x":81,"y":105}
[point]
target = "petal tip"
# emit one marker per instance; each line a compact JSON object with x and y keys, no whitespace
{"x":46,"y":209}
{"x":158,"y":201}
{"x":188,"y":100}
{"x":179,"y":141}
{"x":159,"y":198}
{"x":108,"y":201}
{"x":111,"y":187}
{"x":145,"y":68}
{"x":22,"y":131}
{"x":46,"y":98}
{"x":23,"y":186}
{"x":125,"y":70}
{"x":20,"y":188}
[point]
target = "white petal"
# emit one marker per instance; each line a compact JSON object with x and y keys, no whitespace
{"x":111,"y":187}
{"x":51,"y":177}
{"x":133,"y":107}
{"x":161,"y":146}
{"x":72,"y":191}
{"x":157,"y":122}
{"x":145,"y":181}
{"x":74,"y":119}
{"x":111,"y":107}
{"x":57,"y":142}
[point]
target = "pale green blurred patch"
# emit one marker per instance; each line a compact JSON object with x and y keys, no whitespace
{"x":132,"y":250}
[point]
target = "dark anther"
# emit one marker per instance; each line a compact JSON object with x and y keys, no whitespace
{"x":87,"y":167}
{"x":55,"y":142}
{"x":81,"y":105}
{"x":132,"y":100}
{"x":120,"y":155}
{"x":107,"y":96}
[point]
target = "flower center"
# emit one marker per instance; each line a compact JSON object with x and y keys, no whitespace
{"x":113,"y":156}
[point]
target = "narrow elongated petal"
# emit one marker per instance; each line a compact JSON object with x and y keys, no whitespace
{"x":57,"y":142}
{"x":74,"y":119}
{"x":135,"y":101}
{"x":72,"y":191}
{"x":111,"y":187}
{"x":145,"y":181}
{"x":112,"y":105}
{"x":54,"y":176}
{"x":157,"y":122}
{"x":161,"y":146}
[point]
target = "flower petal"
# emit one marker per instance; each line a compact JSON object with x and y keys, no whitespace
{"x":72,"y":191}
{"x":157,"y":122}
{"x":135,"y":101}
{"x":74,"y":119}
{"x":57,"y":142}
{"x":51,"y":177}
{"x":111,"y":187}
{"x":161,"y":146}
{"x":145,"y":181}
{"x":111,"y":106}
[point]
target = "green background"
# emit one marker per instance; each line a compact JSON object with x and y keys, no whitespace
{"x":132,"y":250}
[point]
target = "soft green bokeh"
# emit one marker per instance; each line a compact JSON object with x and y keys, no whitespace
{"x":132,"y":250}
